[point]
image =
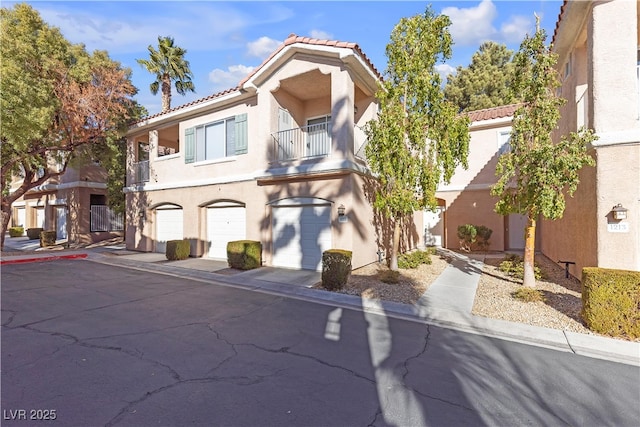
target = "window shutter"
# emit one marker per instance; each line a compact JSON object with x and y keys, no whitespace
{"x":242,"y":137}
{"x":189,"y":145}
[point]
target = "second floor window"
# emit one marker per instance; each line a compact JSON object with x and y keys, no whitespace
{"x":224,"y":138}
{"x":215,"y":140}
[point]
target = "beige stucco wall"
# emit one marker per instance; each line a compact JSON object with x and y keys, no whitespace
{"x":601,"y":41}
{"x":467,"y":198}
{"x":357,"y":234}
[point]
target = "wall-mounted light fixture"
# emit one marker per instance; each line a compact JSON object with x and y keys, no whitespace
{"x":619,"y":212}
{"x":341,"y":210}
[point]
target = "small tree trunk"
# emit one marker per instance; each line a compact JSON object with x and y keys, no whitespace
{"x":529,"y":254}
{"x":396,"y":245}
{"x":5,"y":216}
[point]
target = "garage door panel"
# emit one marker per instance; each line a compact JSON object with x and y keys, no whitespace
{"x":300,"y":235}
{"x":169,"y":226}
{"x":223,"y":226}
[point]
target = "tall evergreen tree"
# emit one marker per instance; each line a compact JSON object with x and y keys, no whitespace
{"x":486,"y":82}
{"x":534,"y":175}
{"x":418,"y":138}
{"x":168,"y":65}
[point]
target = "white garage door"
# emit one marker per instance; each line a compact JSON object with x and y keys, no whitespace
{"x":300,"y":235}
{"x":169,"y":226}
{"x":225,"y":224}
{"x":61,"y":222}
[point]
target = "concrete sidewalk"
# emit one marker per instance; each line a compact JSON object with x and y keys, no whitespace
{"x":447,"y":302}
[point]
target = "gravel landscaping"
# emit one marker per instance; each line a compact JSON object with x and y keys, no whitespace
{"x":559,"y":310}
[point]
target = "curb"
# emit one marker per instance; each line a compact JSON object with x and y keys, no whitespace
{"x":42,"y":259}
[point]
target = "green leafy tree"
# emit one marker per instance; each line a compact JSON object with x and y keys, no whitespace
{"x":534,"y":175}
{"x":168,"y":65}
{"x":418,"y":138}
{"x":486,"y":82}
{"x":55,"y":101}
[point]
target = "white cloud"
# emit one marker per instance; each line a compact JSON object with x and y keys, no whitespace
{"x":515,"y":29}
{"x":319,"y":34}
{"x":225,"y":79}
{"x":262,"y":47}
{"x":474,"y":25}
{"x":471,"y":25}
{"x":444,"y":70}
{"x":121,"y":27}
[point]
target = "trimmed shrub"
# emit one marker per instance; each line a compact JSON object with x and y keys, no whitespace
{"x":16,"y":231}
{"x":467,"y":234}
{"x":611,"y":301}
{"x":414,"y":259}
{"x":244,"y":254}
{"x":513,"y":265}
{"x":34,"y":233}
{"x":336,"y":267}
{"x":178,"y":249}
{"x":526,"y":294}
{"x":483,"y":236}
{"x":390,"y":277}
{"x":47,"y":238}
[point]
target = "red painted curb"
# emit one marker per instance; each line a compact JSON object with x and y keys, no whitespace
{"x":42,"y":259}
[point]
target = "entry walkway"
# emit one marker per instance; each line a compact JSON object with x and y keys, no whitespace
{"x":447,"y":302}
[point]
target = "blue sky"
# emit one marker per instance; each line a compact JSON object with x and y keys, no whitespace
{"x":224,"y":40}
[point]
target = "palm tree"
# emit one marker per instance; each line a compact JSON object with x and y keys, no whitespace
{"x":168,"y":64}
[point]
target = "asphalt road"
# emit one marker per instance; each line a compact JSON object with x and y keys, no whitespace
{"x":88,"y":345}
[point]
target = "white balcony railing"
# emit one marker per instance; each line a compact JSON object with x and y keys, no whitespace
{"x":302,"y":143}
{"x":141,"y":172}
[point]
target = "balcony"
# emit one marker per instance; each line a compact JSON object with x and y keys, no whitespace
{"x":302,"y":143}
{"x":141,"y":172}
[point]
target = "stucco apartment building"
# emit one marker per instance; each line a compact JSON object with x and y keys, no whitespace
{"x":279,"y":159}
{"x":73,"y":204}
{"x":598,"y":47}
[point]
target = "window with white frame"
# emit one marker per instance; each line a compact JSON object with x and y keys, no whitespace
{"x":504,"y":138}
{"x":216,"y":140}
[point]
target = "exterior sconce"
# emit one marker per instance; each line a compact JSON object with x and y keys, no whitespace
{"x":619,"y":212}
{"x":342,"y":216}
{"x":355,"y":109}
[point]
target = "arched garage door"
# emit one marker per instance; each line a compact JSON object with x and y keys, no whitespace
{"x":169,"y":226}
{"x":225,"y":223}
{"x":301,"y":232}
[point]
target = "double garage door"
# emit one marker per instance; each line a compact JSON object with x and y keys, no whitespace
{"x":300,"y":235}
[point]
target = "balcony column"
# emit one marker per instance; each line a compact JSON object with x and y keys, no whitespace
{"x":131,"y":161}
{"x":342,"y":112}
{"x":153,"y":145}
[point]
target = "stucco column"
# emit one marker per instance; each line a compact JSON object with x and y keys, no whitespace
{"x":612,"y":51}
{"x":342,"y":112}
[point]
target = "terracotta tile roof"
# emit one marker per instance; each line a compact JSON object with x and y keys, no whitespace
{"x":292,"y":39}
{"x":493,"y":113}
{"x":555,"y":31}
{"x":179,"y":107}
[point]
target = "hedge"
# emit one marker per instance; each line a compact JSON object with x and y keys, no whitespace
{"x":47,"y":238}
{"x":336,"y":267}
{"x":34,"y":233}
{"x":611,"y":301}
{"x":178,"y":249}
{"x":244,"y":254}
{"x":16,"y":231}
